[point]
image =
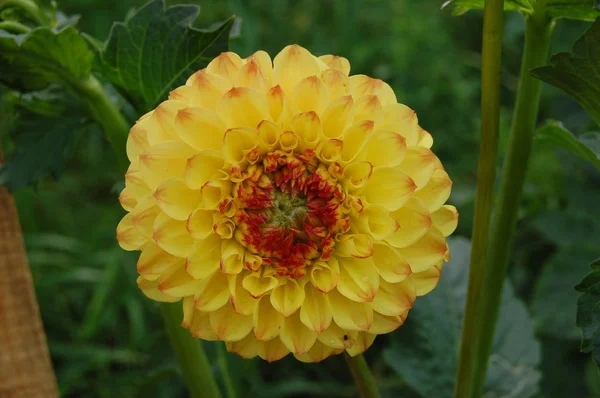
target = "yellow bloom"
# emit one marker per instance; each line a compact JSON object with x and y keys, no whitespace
{"x":290,"y":207}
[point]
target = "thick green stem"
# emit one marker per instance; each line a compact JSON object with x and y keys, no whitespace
{"x":190,"y":355}
{"x":188,"y":351}
{"x":14,"y":27}
{"x":483,"y":325}
{"x":362,"y":376}
{"x":493,"y":23}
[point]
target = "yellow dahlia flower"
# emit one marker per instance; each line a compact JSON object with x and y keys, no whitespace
{"x":289,"y":206}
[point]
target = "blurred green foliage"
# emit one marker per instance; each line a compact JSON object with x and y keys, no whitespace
{"x":107,"y":339}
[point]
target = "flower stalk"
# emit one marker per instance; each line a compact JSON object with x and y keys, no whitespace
{"x":190,"y":355}
{"x":362,"y":376}
{"x":480,"y":322}
{"x":486,"y":175}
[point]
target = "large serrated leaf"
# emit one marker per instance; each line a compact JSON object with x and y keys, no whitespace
{"x":156,"y":50}
{"x":586,"y":10}
{"x":47,"y":55}
{"x":588,"y":311}
{"x":586,"y":147}
{"x":576,"y":73}
{"x":424,"y":350}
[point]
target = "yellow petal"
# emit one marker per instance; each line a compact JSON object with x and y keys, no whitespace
{"x":424,"y":282}
{"x":269,"y":134}
{"x":226,"y":65}
{"x":188,"y":311}
{"x":137,"y":141}
{"x":336,"y":62}
{"x":204,"y":258}
{"x":288,"y":141}
{"x":377,"y":222}
{"x":165,"y":160}
{"x":238,"y":143}
{"x":425,"y":139}
{"x":224,"y":228}
{"x":232,"y":258}
{"x":315,"y":313}
{"x":208,"y":88}
{"x":307,"y":126}
{"x":172,"y":236}
{"x":356,"y":175}
{"x":338,"y":116}
{"x":243,"y":107}
{"x":349,"y":314}
{"x":279,"y":109}
{"x":362,"y":343}
{"x":228,"y":325}
{"x":393,"y":299}
{"x":127,"y":200}
{"x":251,"y":76}
{"x":317,"y":353}
{"x":389,"y":187}
{"x":264,"y":63}
{"x":385,"y":148}
{"x":239,"y":297}
{"x":161,"y":124}
{"x":414,"y":220}
{"x":144,"y":214}
{"x":390,"y":264}
{"x":337,"y":338}
{"x":295,"y":336}
{"x":383,"y":324}
{"x":325,"y":276}
{"x":445,"y":219}
{"x":128,"y":235}
{"x":200,"y":223}
{"x":359,"y":280}
{"x":202,"y":167}
{"x":288,"y":298}
{"x":258,"y":285}
{"x":436,"y":192}
{"x":368,"y":107}
{"x":200,"y":128}
{"x":182,"y":93}
{"x":154,"y":261}
{"x":213,"y":193}
{"x":266,"y":320}
{"x":175,"y":199}
{"x":354,"y":245}
{"x":427,"y":251}
{"x":273,"y":350}
{"x":310,"y":94}
{"x":419,"y":164}
{"x":200,"y":326}
{"x":150,"y":289}
{"x":212,"y":293}
{"x":176,"y":282}
{"x":247,"y":347}
{"x":365,"y":85}
{"x":330,"y":150}
{"x":337,"y":83}
{"x":355,"y":138}
{"x":401,"y":119}
{"x":291,"y":65}
{"x":134,"y":182}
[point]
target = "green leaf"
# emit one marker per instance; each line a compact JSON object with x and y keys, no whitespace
{"x":588,"y":311}
{"x":47,"y":55}
{"x":156,"y":50}
{"x":576,"y":73}
{"x":587,"y":147}
{"x":586,"y":10}
{"x":424,"y":350}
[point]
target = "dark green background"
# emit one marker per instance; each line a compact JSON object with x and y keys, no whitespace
{"x":106,"y":339}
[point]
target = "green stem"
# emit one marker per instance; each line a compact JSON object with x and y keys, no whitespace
{"x":362,"y":376}
{"x":537,"y":42}
{"x":104,"y":111}
{"x":224,"y":370}
{"x":31,"y":9}
{"x":493,"y":22}
{"x":14,"y":27}
{"x":189,"y":353}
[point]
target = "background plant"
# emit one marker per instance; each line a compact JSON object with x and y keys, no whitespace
{"x":107,"y":340}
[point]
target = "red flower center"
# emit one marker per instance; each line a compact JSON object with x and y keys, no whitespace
{"x":289,"y":210}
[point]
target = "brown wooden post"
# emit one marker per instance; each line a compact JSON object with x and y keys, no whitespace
{"x":25,"y":366}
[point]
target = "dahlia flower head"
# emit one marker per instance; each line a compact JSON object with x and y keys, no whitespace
{"x":288,"y":206}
